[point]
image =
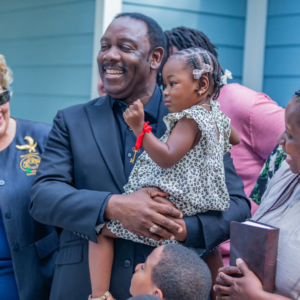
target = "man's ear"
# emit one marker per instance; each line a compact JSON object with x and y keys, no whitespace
{"x":158,"y":293}
{"x":156,"y":58}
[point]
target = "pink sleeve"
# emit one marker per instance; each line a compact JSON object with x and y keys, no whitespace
{"x":266,"y":123}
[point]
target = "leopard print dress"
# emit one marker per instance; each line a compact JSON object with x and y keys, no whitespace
{"x":196,"y":183}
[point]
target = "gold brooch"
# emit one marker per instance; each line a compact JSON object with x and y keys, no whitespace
{"x":30,"y":162}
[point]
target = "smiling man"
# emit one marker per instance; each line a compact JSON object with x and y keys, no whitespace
{"x":89,"y":156}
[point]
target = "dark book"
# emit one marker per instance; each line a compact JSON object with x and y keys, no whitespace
{"x":257,"y":244}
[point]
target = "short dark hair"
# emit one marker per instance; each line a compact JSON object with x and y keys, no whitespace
{"x":155,"y":33}
{"x":181,"y":274}
{"x":144,"y":297}
{"x":183,"y":38}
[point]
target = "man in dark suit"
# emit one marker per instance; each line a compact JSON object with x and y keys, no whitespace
{"x":89,"y":156}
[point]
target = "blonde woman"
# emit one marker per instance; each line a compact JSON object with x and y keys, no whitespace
{"x":27,"y":248}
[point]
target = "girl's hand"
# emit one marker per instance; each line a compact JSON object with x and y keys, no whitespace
{"x":134,"y":117}
{"x":247,"y":287}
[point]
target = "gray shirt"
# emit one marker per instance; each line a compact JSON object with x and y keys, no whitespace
{"x":287,"y":218}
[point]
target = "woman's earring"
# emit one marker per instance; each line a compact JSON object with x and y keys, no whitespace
{"x":200,"y":93}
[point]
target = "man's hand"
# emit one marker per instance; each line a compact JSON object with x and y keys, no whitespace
{"x":134,"y":117}
{"x":179,"y":236}
{"x":138,"y":212}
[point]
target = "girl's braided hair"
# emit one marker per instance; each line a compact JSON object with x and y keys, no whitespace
{"x":196,"y":58}
{"x":5,"y":73}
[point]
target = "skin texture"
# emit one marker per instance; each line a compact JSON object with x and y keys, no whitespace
{"x":125,"y":47}
{"x":101,"y":90}
{"x":141,"y":282}
{"x":249,"y":287}
{"x":7,"y":126}
{"x":180,"y":86}
{"x":290,"y":138}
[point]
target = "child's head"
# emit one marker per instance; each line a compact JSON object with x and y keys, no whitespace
{"x":191,"y":76}
{"x":172,"y":272}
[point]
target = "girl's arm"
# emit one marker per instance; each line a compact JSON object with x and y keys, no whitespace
{"x":165,"y":155}
{"x":234,"y":138}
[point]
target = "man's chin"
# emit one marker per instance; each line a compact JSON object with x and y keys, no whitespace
{"x":117,"y":92}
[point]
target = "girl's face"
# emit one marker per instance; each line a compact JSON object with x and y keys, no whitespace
{"x":180,"y":86}
{"x":4,"y":117}
{"x":290,"y":138}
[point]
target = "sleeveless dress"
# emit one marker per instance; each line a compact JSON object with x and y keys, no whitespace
{"x":196,"y":183}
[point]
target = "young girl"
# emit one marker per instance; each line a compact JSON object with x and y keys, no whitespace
{"x":186,"y":163}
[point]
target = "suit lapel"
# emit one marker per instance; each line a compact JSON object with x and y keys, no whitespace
{"x":103,"y":126}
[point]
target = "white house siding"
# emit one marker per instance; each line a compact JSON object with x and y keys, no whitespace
{"x":282,"y":56}
{"x":223,"y":21}
{"x":48,"y":44}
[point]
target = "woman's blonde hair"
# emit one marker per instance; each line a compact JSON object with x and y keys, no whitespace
{"x":6,"y":77}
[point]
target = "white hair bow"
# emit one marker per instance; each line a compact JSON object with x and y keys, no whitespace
{"x":198,"y":73}
{"x":227,"y":74}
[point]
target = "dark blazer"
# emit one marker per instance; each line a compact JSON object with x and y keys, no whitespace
{"x":80,"y":167}
{"x":34,"y":246}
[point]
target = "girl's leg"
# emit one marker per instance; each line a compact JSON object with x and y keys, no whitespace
{"x":101,"y":257}
{"x":214,"y":262}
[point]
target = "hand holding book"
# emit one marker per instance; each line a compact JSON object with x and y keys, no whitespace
{"x":254,"y":277}
{"x":248,"y":287}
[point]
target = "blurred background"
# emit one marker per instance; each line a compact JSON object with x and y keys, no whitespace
{"x":51,"y":45}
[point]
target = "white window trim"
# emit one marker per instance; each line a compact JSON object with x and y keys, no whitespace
{"x":105,"y":11}
{"x":255,"y":40}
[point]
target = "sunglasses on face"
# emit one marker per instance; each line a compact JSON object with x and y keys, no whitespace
{"x":5,"y":97}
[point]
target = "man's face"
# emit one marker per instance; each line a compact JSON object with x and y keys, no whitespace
{"x":123,"y":59}
{"x":141,"y":282}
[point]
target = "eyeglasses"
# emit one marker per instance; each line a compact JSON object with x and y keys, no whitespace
{"x":5,"y":97}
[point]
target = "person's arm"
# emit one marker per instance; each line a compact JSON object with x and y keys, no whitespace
{"x":55,"y":201}
{"x":247,"y":287}
{"x":139,"y":211}
{"x":234,"y":138}
{"x":165,"y":155}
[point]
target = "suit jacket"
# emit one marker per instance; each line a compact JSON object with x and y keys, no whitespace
{"x":34,"y":246}
{"x":80,"y":167}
